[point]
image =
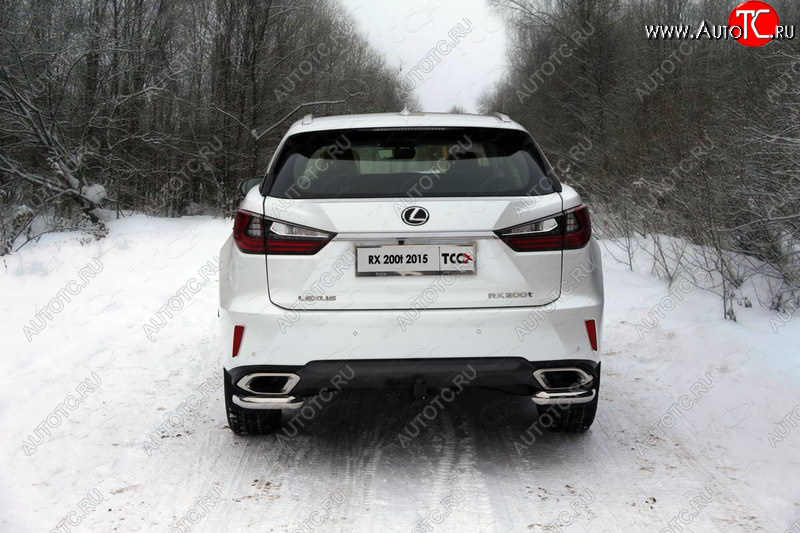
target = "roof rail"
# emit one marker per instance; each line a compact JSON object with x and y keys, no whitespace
{"x":308,"y":119}
{"x":502,"y":117}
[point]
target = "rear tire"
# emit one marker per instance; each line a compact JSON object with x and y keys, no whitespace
{"x":574,"y":418}
{"x":249,"y":421}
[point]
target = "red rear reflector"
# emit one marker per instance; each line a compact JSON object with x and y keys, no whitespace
{"x":591,"y":330}
{"x":238,"y":333}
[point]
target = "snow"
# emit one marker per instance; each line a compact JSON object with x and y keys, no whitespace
{"x":480,"y":465}
{"x":95,"y":193}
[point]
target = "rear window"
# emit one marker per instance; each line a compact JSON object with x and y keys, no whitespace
{"x":398,"y":162}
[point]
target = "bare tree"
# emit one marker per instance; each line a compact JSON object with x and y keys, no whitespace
{"x":162,"y":107}
{"x":696,"y":141}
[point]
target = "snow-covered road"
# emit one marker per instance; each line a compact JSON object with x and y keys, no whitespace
{"x":111,"y":427}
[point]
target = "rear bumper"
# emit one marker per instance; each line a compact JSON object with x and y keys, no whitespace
{"x":287,"y":338}
{"x":508,"y":374}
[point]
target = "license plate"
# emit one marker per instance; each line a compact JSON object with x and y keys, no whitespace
{"x":415,"y":259}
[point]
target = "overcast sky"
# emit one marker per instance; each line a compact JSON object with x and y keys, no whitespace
{"x":405,"y":31}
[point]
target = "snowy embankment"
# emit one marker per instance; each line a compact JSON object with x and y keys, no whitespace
{"x":112,"y":426}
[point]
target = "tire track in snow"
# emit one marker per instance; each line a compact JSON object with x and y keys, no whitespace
{"x":361,"y":468}
{"x":251,"y":480}
{"x":673,"y":462}
{"x":498,"y":461}
{"x":373,"y":468}
{"x":518,"y":457}
{"x":475,"y":512}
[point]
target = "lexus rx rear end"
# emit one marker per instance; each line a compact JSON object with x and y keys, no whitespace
{"x":413,"y":252}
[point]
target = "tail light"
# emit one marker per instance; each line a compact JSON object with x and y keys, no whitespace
{"x":571,"y":229}
{"x":254,"y":234}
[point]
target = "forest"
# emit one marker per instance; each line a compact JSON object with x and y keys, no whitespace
{"x":162,"y":107}
{"x":697,"y":139}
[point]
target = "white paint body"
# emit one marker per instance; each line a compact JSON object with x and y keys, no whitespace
{"x":298,"y":309}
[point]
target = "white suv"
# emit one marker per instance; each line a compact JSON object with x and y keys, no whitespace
{"x":411,"y":252}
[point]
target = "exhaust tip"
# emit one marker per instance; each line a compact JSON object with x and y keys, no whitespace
{"x":562,"y":378}
{"x":268,"y":383}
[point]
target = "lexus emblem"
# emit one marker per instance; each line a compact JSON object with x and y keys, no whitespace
{"x":415,"y":216}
